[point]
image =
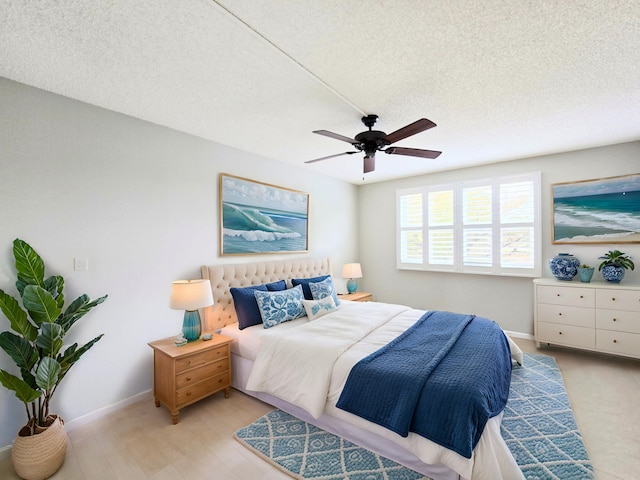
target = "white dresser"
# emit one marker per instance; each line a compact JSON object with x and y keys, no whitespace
{"x":597,"y":316}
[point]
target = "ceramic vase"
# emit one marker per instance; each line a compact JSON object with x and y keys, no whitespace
{"x":564,"y":266}
{"x":612,"y":273}
{"x":585,"y":274}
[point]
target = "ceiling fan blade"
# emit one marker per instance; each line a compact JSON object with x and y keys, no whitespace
{"x":413,"y":152}
{"x":369,"y":164}
{"x":330,"y":156}
{"x":337,"y":136}
{"x":411,"y":129}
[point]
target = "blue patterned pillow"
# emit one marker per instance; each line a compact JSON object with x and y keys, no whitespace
{"x":318,"y":308}
{"x":325,"y":288}
{"x":246,"y":306}
{"x":281,"y":306}
{"x":305,"y":284}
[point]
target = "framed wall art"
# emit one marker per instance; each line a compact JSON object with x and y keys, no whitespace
{"x":605,"y":210}
{"x":257,"y":217}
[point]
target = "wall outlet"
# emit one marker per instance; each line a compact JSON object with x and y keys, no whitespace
{"x":81,"y":264}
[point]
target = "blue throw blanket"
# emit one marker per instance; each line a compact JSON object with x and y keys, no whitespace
{"x":443,"y":378}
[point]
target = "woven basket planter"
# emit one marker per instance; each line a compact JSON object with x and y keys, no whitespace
{"x":39,"y":456}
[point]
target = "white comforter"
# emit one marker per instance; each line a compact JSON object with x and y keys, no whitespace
{"x":308,"y":366}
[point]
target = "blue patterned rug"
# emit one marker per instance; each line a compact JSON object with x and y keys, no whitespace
{"x":538,"y":426}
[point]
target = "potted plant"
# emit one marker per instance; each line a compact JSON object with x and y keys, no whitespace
{"x":585,"y":272}
{"x":614,"y":263}
{"x":36,"y":346}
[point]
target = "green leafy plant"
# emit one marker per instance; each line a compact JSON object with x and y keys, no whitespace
{"x":616,"y":258}
{"x":584,"y":265}
{"x":36,"y":347}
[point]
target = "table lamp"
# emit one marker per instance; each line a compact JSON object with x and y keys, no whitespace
{"x":352,"y":271}
{"x":190,"y":295}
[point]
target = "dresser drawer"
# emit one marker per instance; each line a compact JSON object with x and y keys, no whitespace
{"x":618,"y":342}
{"x":566,"y":335}
{"x":198,"y":390}
{"x":578,"y":316}
{"x":618,"y":320}
{"x":193,"y":376}
{"x":202,"y":358}
{"x":618,"y":299}
{"x":574,"y":296}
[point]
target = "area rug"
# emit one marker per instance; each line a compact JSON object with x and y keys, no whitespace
{"x":538,"y":426}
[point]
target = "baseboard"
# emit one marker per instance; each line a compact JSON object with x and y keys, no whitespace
{"x":70,"y":425}
{"x":526,"y":336}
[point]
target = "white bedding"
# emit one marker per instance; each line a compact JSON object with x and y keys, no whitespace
{"x":307,"y":364}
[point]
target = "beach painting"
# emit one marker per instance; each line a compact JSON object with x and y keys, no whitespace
{"x":605,"y":210}
{"x":258,"y":218}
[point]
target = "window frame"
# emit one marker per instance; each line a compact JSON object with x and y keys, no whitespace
{"x":496,"y":227}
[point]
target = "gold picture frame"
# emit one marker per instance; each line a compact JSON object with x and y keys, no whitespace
{"x":260,"y":218}
{"x":604,"y":210}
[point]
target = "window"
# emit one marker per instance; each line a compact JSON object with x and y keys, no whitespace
{"x":487,"y":226}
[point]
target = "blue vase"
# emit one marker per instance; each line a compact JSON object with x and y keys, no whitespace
{"x":564,"y":266}
{"x":612,"y":273}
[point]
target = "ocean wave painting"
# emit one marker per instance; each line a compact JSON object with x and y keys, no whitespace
{"x":597,"y":211}
{"x":261,"y":218}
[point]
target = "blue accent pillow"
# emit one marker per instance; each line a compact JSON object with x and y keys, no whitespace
{"x":281,"y":306}
{"x":305,"y":284}
{"x":319,"y":308}
{"x":244,"y":301}
{"x":325,"y":288}
{"x":276,"y":286}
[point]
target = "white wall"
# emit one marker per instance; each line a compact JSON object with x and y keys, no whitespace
{"x":140,"y":202}
{"x":508,"y":300}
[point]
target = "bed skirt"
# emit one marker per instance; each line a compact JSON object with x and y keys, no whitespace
{"x":241,"y":368}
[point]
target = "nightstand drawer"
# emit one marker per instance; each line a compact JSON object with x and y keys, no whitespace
{"x":618,"y":299}
{"x":204,"y":388}
{"x":566,"y":335}
{"x":575,"y":296}
{"x":618,"y":342}
{"x":194,"y":376}
{"x":580,"y":317}
{"x":201,"y":358}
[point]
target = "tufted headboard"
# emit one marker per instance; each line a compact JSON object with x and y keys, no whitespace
{"x":223,"y":277}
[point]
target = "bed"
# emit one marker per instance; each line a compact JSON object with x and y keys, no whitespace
{"x":372,"y":325}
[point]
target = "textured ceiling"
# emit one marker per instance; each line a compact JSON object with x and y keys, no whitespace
{"x":502,"y":79}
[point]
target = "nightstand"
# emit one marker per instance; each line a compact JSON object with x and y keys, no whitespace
{"x":356,"y":297}
{"x":183,"y":375}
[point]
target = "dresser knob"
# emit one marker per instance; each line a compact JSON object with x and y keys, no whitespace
{"x":615,"y":341}
{"x":560,"y":333}
{"x":560,"y":314}
{"x":613,"y":299}
{"x":188,"y":362}
{"x":615,"y":319}
{"x":557,"y":294}
{"x":188,"y":379}
{"x":188,"y":394}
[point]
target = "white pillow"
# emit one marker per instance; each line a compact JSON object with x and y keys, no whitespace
{"x":318,"y":308}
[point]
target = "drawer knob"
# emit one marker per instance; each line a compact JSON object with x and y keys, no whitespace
{"x":188,"y":379}
{"x":557,"y":294}
{"x":560,"y":333}
{"x":188,"y":394}
{"x":615,"y":341}
{"x":615,"y":319}
{"x":581,"y":296}
{"x":613,"y":299}
{"x":560,"y":314}
{"x":188,"y":362}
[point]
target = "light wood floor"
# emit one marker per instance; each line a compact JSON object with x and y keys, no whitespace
{"x":139,"y":442}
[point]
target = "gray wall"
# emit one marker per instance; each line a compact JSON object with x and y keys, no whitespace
{"x":508,"y":300}
{"x":140,"y":202}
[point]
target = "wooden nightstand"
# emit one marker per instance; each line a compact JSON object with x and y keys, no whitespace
{"x":183,"y":375}
{"x":356,"y":297}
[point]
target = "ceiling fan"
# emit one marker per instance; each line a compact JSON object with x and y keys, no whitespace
{"x":372,"y":141}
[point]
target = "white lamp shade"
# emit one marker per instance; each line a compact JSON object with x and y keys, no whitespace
{"x":351,"y":270}
{"x":190,"y":294}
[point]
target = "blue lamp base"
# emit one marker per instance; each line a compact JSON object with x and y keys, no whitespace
{"x":352,"y":285}
{"x":191,"y":325}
